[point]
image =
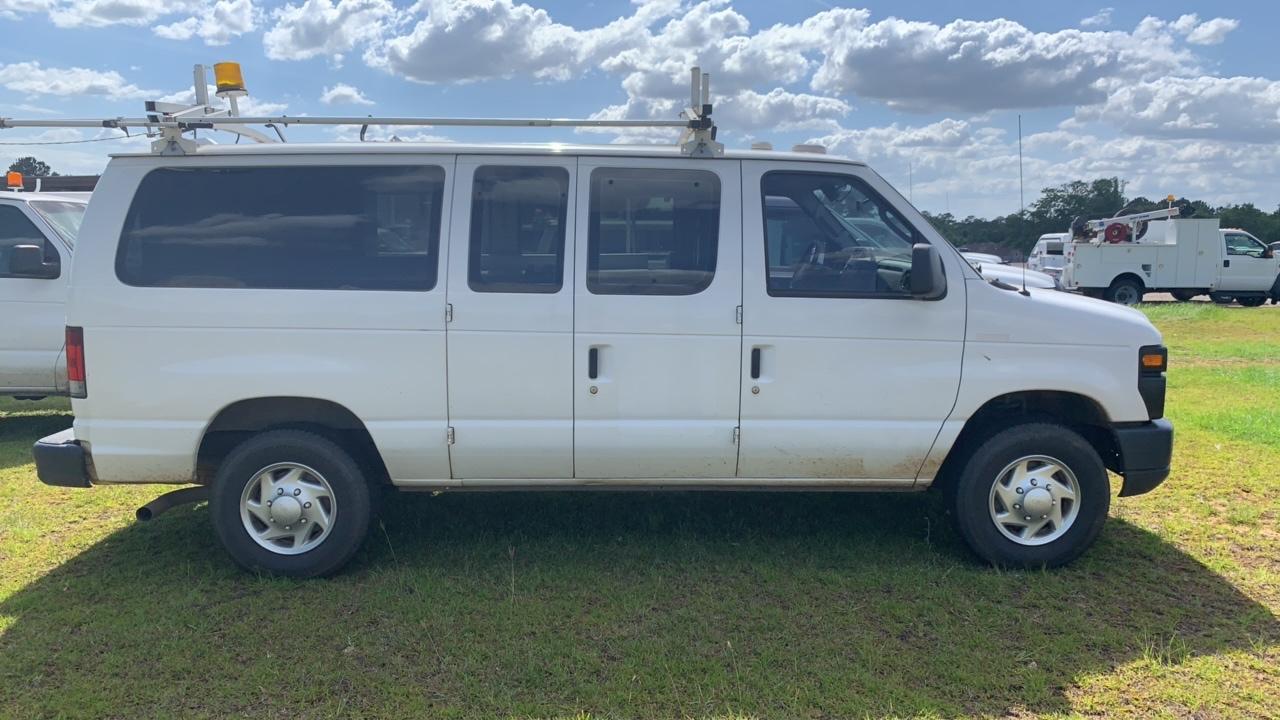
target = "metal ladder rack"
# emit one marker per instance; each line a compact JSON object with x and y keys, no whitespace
{"x":169,"y":122}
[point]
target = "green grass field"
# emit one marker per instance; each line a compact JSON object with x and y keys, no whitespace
{"x":679,"y":605}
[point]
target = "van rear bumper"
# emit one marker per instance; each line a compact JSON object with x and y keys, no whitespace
{"x":62,"y":461}
{"x":1146,"y":450}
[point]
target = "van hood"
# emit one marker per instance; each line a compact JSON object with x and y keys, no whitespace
{"x":1015,"y":275}
{"x":1054,"y":317}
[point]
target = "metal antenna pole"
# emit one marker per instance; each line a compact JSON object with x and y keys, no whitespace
{"x":202,"y":90}
{"x":1022,"y":206}
{"x":1022,"y":202}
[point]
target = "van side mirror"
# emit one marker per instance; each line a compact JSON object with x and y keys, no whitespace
{"x":28,"y":261}
{"x":927,"y":279}
{"x":1272,"y":250}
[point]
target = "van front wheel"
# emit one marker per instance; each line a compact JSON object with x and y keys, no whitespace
{"x":1034,"y":495}
{"x":290,"y":502}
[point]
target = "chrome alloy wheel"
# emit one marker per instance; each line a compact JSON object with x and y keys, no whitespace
{"x":1034,"y":500}
{"x":288,"y":508}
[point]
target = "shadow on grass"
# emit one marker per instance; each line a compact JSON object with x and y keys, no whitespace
{"x":616,"y":604}
{"x":23,"y":421}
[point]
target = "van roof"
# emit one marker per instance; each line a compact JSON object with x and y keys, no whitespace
{"x":448,"y":148}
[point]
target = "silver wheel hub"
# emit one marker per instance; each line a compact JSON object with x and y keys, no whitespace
{"x":288,"y":508}
{"x":1034,"y":500}
{"x":286,"y":511}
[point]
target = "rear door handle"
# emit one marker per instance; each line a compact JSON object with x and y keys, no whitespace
{"x":593,"y":363}
{"x":755,"y":363}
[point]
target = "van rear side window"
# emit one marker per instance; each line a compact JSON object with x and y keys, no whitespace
{"x":299,"y":227}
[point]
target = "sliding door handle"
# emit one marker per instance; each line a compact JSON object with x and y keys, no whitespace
{"x":593,"y":363}
{"x":755,"y":363}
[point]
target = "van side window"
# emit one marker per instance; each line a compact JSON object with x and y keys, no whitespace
{"x":652,"y":231}
{"x":833,"y":236}
{"x":17,"y":229}
{"x":517,"y":229}
{"x":297,"y":227}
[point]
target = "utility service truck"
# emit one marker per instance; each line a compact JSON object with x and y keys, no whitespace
{"x":1122,"y":258}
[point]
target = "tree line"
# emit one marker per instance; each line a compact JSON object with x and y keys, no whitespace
{"x":32,"y":167}
{"x":1013,"y":235}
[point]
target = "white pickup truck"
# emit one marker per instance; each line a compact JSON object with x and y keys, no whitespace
{"x":1184,"y":256}
{"x":37,"y":236}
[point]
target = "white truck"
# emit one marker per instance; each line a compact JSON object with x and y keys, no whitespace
{"x":295,"y":328}
{"x":37,"y":237}
{"x":1186,"y":257}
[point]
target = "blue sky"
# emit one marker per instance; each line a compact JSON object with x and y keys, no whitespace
{"x":1175,"y":97}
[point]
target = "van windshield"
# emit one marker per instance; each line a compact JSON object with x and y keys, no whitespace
{"x":63,"y":217}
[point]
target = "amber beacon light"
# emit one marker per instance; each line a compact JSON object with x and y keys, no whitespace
{"x":228,"y":78}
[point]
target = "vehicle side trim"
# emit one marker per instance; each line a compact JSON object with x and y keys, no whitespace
{"x":668,"y":483}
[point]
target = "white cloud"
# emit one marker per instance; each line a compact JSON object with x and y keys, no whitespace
{"x":1243,"y":109}
{"x":34,"y":79}
{"x":343,"y":94}
{"x":992,"y":64}
{"x":216,"y":25}
{"x":249,"y":106}
{"x":1102,"y":18}
{"x":1212,"y":32}
{"x":322,"y":28}
{"x":101,"y":13}
{"x":461,"y":41}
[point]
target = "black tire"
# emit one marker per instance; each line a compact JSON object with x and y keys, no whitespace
{"x":350,"y":496}
{"x":1124,"y":289}
{"x":1252,"y":301}
{"x":1221,"y":299}
{"x":971,"y":505}
{"x":1183,"y":295}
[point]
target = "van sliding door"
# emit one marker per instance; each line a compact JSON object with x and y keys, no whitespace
{"x":656,"y":341}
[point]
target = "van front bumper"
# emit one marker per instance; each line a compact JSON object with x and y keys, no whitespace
{"x":62,"y":461}
{"x":1146,"y":450}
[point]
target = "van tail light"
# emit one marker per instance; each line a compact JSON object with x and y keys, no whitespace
{"x":75,"y":362}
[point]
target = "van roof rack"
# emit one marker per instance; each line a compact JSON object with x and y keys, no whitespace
{"x":169,"y":122}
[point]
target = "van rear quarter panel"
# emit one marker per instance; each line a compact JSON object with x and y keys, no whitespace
{"x":162,"y":362}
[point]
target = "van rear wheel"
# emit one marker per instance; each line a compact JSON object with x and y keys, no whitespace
{"x":292,"y":503}
{"x":1034,"y":495}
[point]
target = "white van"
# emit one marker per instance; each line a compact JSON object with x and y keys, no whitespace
{"x":293,"y":326}
{"x":37,"y":236}
{"x":1049,"y":254}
